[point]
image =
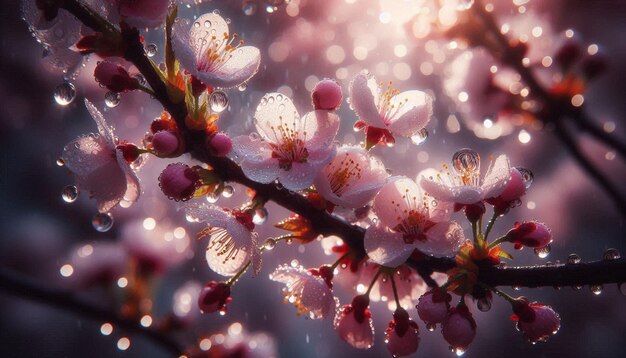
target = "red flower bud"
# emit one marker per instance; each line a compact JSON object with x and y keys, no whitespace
{"x":535,"y":320}
{"x":433,"y":306}
{"x":327,"y":95}
{"x":220,"y":144}
{"x":530,"y":233}
{"x":178,"y":181}
{"x":129,"y":151}
{"x":165,"y":143}
{"x":402,"y":334}
{"x":214,"y":297}
{"x":114,"y":77}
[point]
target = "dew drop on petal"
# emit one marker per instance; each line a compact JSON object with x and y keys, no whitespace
{"x":102,"y":222}
{"x":543,"y":252}
{"x":242,"y":87}
{"x":64,"y":93}
{"x":596,"y":289}
{"x":69,"y":193}
{"x":527,"y":177}
{"x":484,"y":304}
{"x":228,"y":191}
{"x":270,"y":244}
{"x":260,"y":216}
{"x":466,"y":160}
{"x":577,"y":288}
{"x":420,"y":137}
{"x":218,"y":101}
{"x":60,"y":162}
{"x":573,"y":259}
{"x":112,"y":99}
{"x":151,"y":50}
{"x":611,"y":254}
{"x":212,"y":198}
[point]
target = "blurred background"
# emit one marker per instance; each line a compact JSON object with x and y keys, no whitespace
{"x":302,"y":42}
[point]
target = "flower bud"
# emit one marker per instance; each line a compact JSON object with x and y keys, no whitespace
{"x":130,"y":152}
{"x":221,"y":144}
{"x":568,"y":53}
{"x":531,"y":233}
{"x":473,"y":212}
{"x":593,"y":66}
{"x":165,"y":143}
{"x":353,"y":323}
{"x":459,"y":328}
{"x":433,"y":306}
{"x":178,"y":181}
{"x":402,"y":334}
{"x":514,"y":190}
{"x":114,"y":77}
{"x":537,"y":321}
{"x":214,"y":297}
{"x":327,"y":95}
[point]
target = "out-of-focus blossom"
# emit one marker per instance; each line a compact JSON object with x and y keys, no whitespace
{"x":208,"y":52}
{"x":156,"y":248}
{"x":459,"y":328}
{"x":236,"y":342}
{"x":465,"y":186}
{"x":402,"y":334}
{"x":232,"y":243}
{"x":214,"y":297}
{"x":409,"y":285}
{"x":291,"y":148}
{"x":185,"y":302}
{"x":384,"y":113}
{"x":98,"y":263}
{"x":178,"y":181}
{"x":433,"y":306}
{"x":352,"y":178}
{"x":327,"y":95}
{"x":530,"y":233}
{"x":100,"y":167}
{"x":406,"y":221}
{"x":354,"y":325}
{"x":537,"y":321}
{"x":142,"y":13}
{"x":308,"y":291}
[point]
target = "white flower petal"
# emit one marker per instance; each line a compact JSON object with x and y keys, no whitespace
{"x":300,"y":176}
{"x":275,"y":110}
{"x":251,"y":149}
{"x":183,"y":47}
{"x":133,"y":189}
{"x":398,"y":196}
{"x":264,"y":171}
{"x":205,"y":31}
{"x":226,"y":265}
{"x":106,"y":131}
{"x":497,"y":177}
{"x":320,"y":128}
{"x":415,"y":109}
{"x":386,"y":248}
{"x":211,"y":214}
{"x":363,"y":98}
{"x":243,"y":64}
{"x":442,"y":240}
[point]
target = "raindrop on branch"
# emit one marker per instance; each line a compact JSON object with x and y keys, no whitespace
{"x":260,"y":216}
{"x":228,"y":191}
{"x":596,"y":289}
{"x":270,"y":244}
{"x":611,"y":254}
{"x":573,"y":259}
{"x":527,"y":177}
{"x":151,"y":50}
{"x":65,"y":93}
{"x":543,"y":252}
{"x":484,"y":304}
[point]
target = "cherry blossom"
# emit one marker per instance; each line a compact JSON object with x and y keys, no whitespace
{"x":354,"y":325}
{"x":96,"y":263}
{"x":402,"y":334}
{"x":352,"y":178}
{"x":384,"y":113}
{"x":99,"y":165}
{"x":409,"y":285}
{"x":232,"y":243}
{"x":214,"y":297}
{"x":537,"y":321}
{"x":459,"y":328}
{"x":308,"y":291}
{"x":465,"y":186}
{"x":433,"y":306}
{"x":208,"y":52}
{"x":408,"y":220}
{"x":291,"y":148}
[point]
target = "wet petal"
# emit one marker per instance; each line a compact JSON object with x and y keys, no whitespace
{"x":497,"y":177}
{"x":386,"y":248}
{"x":396,"y":198}
{"x":211,"y":28}
{"x":105,"y":130}
{"x":243,"y":64}
{"x":415,"y":109}
{"x":183,"y":46}
{"x":363,"y":97}
{"x":264,"y":171}
{"x":320,"y":128}
{"x":275,"y":114}
{"x":133,"y":189}
{"x":442,"y":240}
{"x":300,"y":176}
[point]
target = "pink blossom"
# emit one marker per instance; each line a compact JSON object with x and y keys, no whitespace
{"x":464,"y":185}
{"x":408,"y":219}
{"x":530,"y":233}
{"x":514,"y":190}
{"x":404,"y":114}
{"x":459,"y":328}
{"x":352,"y":178}
{"x":179,"y":182}
{"x":114,"y":77}
{"x":309,"y":292}
{"x":142,"y":13}
{"x":327,"y":95}
{"x":185,"y":303}
{"x":291,"y":148}
{"x":433,"y":306}
{"x":354,"y":325}
{"x":214,"y":297}
{"x":96,"y":263}
{"x":409,"y":285}
{"x":99,"y":167}
{"x":158,"y":247}
{"x":232,"y":243}
{"x":402,"y":334}
{"x":208,"y":52}
{"x":537,"y":321}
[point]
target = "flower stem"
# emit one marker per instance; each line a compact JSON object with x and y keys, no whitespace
{"x":494,"y":217}
{"x":498,"y":241}
{"x":231,"y":281}
{"x":395,"y":291}
{"x":369,"y":289}
{"x":334,"y":265}
{"x":500,"y":293}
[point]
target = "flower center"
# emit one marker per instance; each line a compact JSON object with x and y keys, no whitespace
{"x":341,"y":174}
{"x":413,"y":218}
{"x":221,"y":242}
{"x":290,"y":146}
{"x":218,"y":52}
{"x":386,"y":106}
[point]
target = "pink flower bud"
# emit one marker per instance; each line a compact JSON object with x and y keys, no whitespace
{"x":178,"y":181}
{"x":402,"y":335}
{"x":327,"y":95}
{"x":114,"y":77}
{"x":537,"y":321}
{"x":433,"y":306}
{"x":221,"y":144}
{"x":214,"y":297}
{"x":568,"y":54}
{"x":530,"y":233}
{"x":353,"y":323}
{"x":459,"y":328}
{"x":165,"y":143}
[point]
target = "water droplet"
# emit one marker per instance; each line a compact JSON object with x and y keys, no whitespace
{"x":242,"y":87}
{"x":573,"y":259}
{"x":216,"y":12}
{"x":431,"y":327}
{"x":466,"y":160}
{"x":249,"y":7}
{"x":69,"y":193}
{"x":420,"y":137}
{"x":596,"y":289}
{"x":228,"y":191}
{"x":270,"y":244}
{"x":465,"y":5}
{"x":294,"y":263}
{"x":112,"y":99}
{"x":611,"y":254}
{"x":60,"y":162}
{"x":483,"y":304}
{"x":102,"y":222}
{"x":516,"y":288}
{"x":151,"y":50}
{"x":212,"y":198}
{"x":543,"y":252}
{"x":218,"y":101}
{"x":527,"y":176}
{"x":140,"y":78}
{"x":260,"y":216}
{"x":64,"y":93}
{"x":270,"y":9}
{"x":577,"y":288}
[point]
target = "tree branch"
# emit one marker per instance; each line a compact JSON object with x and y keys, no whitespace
{"x":22,"y":286}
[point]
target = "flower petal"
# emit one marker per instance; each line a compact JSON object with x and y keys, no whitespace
{"x":106,"y":131}
{"x":107,"y":185}
{"x":211,"y":214}
{"x":243,"y":64}
{"x":208,"y":30}
{"x":300,"y":176}
{"x":226,"y":265}
{"x":443,"y":240}
{"x":385,"y":247}
{"x":133,"y":189}
{"x":395,"y":198}
{"x":363,"y":98}
{"x":497,"y":177}
{"x":415,"y":109}
{"x":275,"y":114}
{"x":320,"y":128}
{"x":183,"y":46}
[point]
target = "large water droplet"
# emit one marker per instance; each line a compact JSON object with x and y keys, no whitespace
{"x":527,"y":177}
{"x":69,"y":193}
{"x":420,"y":137}
{"x":260,"y":216}
{"x":270,"y":244}
{"x":596,"y":289}
{"x":218,"y":101}
{"x":151,"y":50}
{"x":228,"y":191}
{"x":249,"y":7}
{"x":112,"y":99}
{"x":484,"y":304}
{"x":466,"y":160}
{"x":102,"y":222}
{"x":242,"y":87}
{"x":543,"y":252}
{"x":573,"y":259}
{"x":611,"y":254}
{"x":140,"y":78}
{"x":60,"y":162}
{"x":212,"y":198}
{"x":64,"y":93}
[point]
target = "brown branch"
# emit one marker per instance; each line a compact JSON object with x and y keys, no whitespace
{"x":22,"y":286}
